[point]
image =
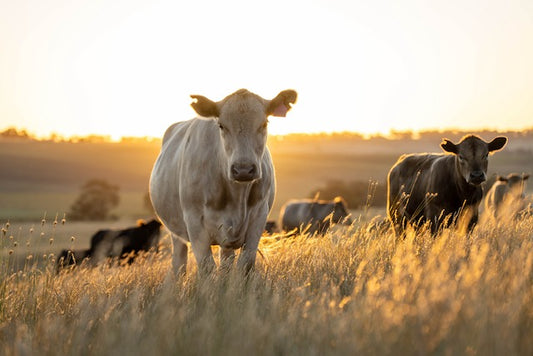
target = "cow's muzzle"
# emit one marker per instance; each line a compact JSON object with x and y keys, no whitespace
{"x":244,"y":172}
{"x":476,"y":177}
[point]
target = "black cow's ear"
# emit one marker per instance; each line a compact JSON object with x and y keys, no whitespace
{"x":204,"y":107}
{"x":281,"y":104}
{"x":140,"y":223}
{"x":448,"y":146}
{"x":497,"y":144}
{"x":339,"y":201}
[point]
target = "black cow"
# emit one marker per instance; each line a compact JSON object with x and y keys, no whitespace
{"x":440,"y":188}
{"x":116,"y":243}
{"x":72,"y":257}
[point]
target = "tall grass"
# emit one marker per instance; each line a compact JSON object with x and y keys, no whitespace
{"x":352,"y":291}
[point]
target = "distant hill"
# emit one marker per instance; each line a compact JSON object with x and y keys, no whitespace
{"x":303,"y":162}
{"x":50,"y":166}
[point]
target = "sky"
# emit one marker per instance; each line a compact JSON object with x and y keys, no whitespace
{"x":127,"y":67}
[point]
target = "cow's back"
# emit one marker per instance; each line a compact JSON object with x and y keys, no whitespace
{"x":410,"y":174}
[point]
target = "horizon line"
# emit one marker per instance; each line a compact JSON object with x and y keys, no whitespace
{"x":21,"y":133}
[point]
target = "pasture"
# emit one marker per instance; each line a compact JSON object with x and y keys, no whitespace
{"x":356,"y":290}
{"x":353,"y":291}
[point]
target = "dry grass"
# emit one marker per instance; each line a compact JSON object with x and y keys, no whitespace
{"x":352,"y":291}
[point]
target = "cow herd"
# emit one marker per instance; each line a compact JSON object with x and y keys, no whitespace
{"x":213,"y":184}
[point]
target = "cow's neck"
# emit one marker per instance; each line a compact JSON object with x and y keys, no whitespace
{"x":241,"y":194}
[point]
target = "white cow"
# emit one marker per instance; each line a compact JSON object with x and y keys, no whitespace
{"x":213,"y":182}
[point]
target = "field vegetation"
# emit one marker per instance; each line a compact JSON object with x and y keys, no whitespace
{"x":356,"y":290}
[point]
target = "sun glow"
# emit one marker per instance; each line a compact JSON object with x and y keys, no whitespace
{"x":79,"y":68}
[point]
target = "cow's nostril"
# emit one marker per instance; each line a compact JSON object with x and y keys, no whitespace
{"x":234,"y":170}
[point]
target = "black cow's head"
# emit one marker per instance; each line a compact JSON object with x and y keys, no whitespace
{"x":472,"y":156}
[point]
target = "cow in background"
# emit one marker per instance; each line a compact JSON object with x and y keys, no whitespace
{"x":120,"y":243}
{"x":71,"y":257}
{"x":313,"y":215}
{"x":440,"y":189}
{"x":506,"y":199}
{"x":125,"y":243}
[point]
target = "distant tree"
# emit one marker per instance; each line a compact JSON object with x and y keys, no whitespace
{"x":12,"y":132}
{"x":95,"y":201}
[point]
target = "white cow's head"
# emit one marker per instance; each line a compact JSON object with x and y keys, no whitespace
{"x":472,"y":156}
{"x":243,"y":119}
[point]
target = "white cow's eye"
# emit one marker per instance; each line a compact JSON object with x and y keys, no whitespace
{"x":220,"y":126}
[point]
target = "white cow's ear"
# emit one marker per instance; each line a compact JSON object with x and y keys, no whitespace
{"x":448,"y":146}
{"x":525,"y":176}
{"x":204,"y":107}
{"x":281,"y":104}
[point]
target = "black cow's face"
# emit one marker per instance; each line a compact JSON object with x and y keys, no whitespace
{"x":472,"y":156}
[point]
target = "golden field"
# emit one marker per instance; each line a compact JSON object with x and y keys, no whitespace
{"x":353,"y":291}
{"x":356,"y":290}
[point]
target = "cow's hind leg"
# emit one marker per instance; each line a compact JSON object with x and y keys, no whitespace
{"x":179,"y":255}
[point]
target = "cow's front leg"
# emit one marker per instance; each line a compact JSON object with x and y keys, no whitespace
{"x":200,"y":242}
{"x":248,"y":253}
{"x":436,"y":217}
{"x":203,"y":255}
